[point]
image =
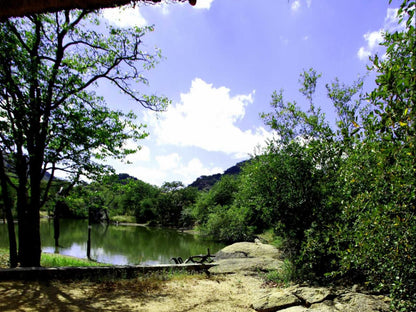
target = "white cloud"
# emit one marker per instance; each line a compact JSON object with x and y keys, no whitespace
{"x":374,"y":38}
{"x":142,"y":155}
{"x":207,"y":117}
{"x":154,"y":176}
{"x":168,"y":162}
{"x":126,"y":16}
{"x":391,"y":22}
{"x":172,"y":165}
{"x":363,"y":53}
{"x":200,"y":4}
{"x":169,"y":168}
{"x":203,"y":4}
{"x":194,"y":166}
{"x":295,"y":5}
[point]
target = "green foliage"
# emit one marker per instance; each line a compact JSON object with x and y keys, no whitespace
{"x":217,"y":214}
{"x":280,"y":188}
{"x":173,"y":199}
{"x":362,"y":223}
{"x":222,"y":193}
{"x":119,"y":195}
{"x":146,"y":210}
{"x":283,"y":276}
{"x":123,"y":219}
{"x":52,"y":260}
{"x":51,"y":118}
{"x":378,"y":225}
{"x":228,"y":224}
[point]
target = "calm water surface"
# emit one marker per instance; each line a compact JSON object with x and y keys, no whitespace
{"x":120,"y":244}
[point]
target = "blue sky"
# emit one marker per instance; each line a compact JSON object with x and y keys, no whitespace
{"x":222,"y":61}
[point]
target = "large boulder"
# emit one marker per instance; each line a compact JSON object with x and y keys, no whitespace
{"x":248,"y":258}
{"x":249,"y":250}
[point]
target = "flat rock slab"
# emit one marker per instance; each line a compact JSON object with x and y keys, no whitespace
{"x":319,"y":299}
{"x":312,"y":295}
{"x":249,"y":250}
{"x":247,"y":257}
{"x":353,"y":302}
{"x":275,"y":301}
{"x":248,"y":265}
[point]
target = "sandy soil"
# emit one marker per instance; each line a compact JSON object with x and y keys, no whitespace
{"x":234,"y":292}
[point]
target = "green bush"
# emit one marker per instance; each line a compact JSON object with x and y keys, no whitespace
{"x":280,"y":189}
{"x":145,"y":211}
{"x":228,"y":224}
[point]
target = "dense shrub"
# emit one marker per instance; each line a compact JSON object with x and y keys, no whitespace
{"x":228,"y":224}
{"x":281,"y":191}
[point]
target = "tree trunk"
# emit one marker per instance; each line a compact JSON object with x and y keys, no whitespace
{"x":56,"y":227}
{"x":28,"y":217}
{"x":9,"y":216}
{"x":29,"y":234}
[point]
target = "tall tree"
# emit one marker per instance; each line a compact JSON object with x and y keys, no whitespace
{"x":50,"y":115}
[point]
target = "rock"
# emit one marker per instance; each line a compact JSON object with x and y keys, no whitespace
{"x":318,"y":299}
{"x":249,"y":250}
{"x":312,"y":295}
{"x":248,"y":265}
{"x":247,"y":257}
{"x":353,"y":302}
{"x":326,"y":306}
{"x":250,"y":258}
{"x":275,"y":301}
{"x":295,"y":309}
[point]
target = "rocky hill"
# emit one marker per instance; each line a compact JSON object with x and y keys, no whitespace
{"x":206,"y":182}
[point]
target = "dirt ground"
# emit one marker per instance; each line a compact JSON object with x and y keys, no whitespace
{"x":233,"y":292}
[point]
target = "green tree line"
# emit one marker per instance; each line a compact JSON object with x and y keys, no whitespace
{"x":122,"y":195}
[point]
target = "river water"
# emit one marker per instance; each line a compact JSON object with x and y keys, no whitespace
{"x":121,"y":245}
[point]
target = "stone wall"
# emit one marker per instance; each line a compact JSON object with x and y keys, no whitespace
{"x":72,"y":273}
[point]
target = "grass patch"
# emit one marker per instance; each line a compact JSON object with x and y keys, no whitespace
{"x":57,"y":260}
{"x":270,"y":238}
{"x":123,"y":219}
{"x":51,"y":260}
{"x":283,"y":276}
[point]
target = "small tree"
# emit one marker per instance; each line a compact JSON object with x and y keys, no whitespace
{"x":50,"y":116}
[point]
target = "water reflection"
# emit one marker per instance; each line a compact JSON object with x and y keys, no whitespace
{"x":120,"y":245}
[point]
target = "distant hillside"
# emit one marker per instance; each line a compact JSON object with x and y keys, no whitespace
{"x":123,"y":178}
{"x":206,"y":182}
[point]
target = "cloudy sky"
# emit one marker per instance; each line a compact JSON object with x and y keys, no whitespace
{"x":222,"y":61}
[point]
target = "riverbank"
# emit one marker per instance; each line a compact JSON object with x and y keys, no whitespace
{"x":236,"y":284}
{"x":148,"y":293}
